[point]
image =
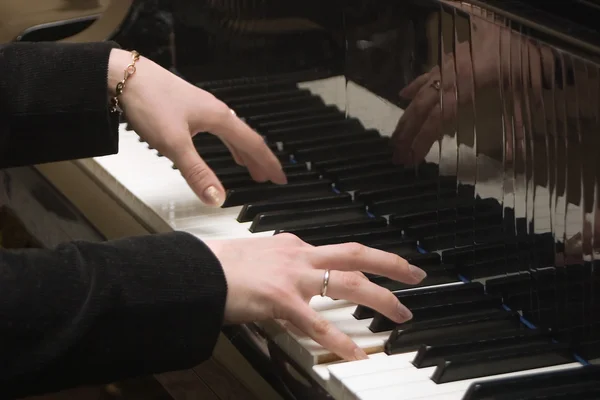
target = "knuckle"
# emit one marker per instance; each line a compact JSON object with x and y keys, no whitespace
{"x":321,"y":326}
{"x":220,"y":112}
{"x":401,"y":263}
{"x":197,"y":173}
{"x":290,"y":238}
{"x":355,"y":249}
{"x":352,"y":282}
{"x":391,"y":299}
{"x":281,"y":294}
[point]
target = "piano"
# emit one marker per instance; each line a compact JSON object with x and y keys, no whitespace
{"x":497,"y":198}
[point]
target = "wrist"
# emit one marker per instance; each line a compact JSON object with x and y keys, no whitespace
{"x":117,"y":62}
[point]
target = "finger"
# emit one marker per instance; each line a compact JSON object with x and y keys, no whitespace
{"x":359,"y":274}
{"x":413,"y":88}
{"x":427,"y":98}
{"x":429,"y":133}
{"x":201,"y":179}
{"x":350,"y":286}
{"x":260,"y":160}
{"x":236,"y":155}
{"x":411,"y":121}
{"x":323,"y":332}
{"x":356,"y":257}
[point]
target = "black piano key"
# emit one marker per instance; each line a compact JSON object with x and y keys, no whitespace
{"x":329,"y":139}
{"x":293,"y":77}
{"x":245,"y":181}
{"x":220,"y":150}
{"x":404,"y":340}
{"x":387,"y":177}
{"x":338,"y":228}
{"x":321,"y":165}
{"x":497,"y":249}
{"x":257,"y":120}
{"x":381,"y":323}
{"x":250,"y":211}
{"x":427,"y":296}
{"x":376,"y":177}
{"x":589,"y":349}
{"x":409,"y":202}
{"x":579,"y":391}
{"x":265,"y":80}
{"x":261,"y":107}
{"x":509,"y":284}
{"x":313,"y":130}
{"x":436,"y":275}
{"x":228,"y":161}
{"x":423,"y":259}
{"x":228,"y":92}
{"x":364,"y":237}
{"x":446,"y":223}
{"x":250,"y":98}
{"x":501,"y":360}
{"x":398,"y":190}
{"x":240,"y":196}
{"x":205,"y":139}
{"x":511,"y":261}
{"x":238,"y":171}
{"x":511,"y":386}
{"x":345,"y":149}
{"x":461,"y":238}
{"x":298,"y":218}
{"x":290,"y":121}
{"x":430,"y":355}
{"x":343,"y":171}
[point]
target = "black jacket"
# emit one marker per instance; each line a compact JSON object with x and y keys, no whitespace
{"x":89,"y":313}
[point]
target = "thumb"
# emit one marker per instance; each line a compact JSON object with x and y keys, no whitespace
{"x":201,"y":179}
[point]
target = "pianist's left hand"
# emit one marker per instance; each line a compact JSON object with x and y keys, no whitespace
{"x":275,"y":277}
{"x":167,"y":112}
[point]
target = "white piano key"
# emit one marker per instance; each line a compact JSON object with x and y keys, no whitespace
{"x":407,"y":387}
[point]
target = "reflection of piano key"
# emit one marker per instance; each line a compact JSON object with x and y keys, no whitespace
{"x":342,"y":192}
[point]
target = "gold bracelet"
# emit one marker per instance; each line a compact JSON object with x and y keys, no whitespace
{"x":130,"y":70}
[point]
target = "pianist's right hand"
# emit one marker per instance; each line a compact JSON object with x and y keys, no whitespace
{"x":167,"y":112}
{"x":275,"y":277}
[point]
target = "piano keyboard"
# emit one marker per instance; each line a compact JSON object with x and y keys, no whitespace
{"x":463,"y":338}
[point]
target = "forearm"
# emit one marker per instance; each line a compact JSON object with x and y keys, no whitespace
{"x":96,"y":313}
{"x":54,"y":104}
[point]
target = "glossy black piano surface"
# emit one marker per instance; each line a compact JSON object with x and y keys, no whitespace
{"x":489,"y":176}
{"x":501,"y":187}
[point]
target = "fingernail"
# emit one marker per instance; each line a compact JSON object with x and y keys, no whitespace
{"x":359,"y":354}
{"x":417,"y":272}
{"x":213,"y":194}
{"x":404,"y":313}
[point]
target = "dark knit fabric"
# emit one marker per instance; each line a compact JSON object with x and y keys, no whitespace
{"x":90,"y":313}
{"x":54,"y":102}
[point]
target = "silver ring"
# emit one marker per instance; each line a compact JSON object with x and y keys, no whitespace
{"x":437,"y":85}
{"x":325,"y":283}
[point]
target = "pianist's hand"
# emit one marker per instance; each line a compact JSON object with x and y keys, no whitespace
{"x":167,"y":112}
{"x":275,"y":277}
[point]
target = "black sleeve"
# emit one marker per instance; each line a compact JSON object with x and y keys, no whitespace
{"x":91,"y":313}
{"x":54,"y":102}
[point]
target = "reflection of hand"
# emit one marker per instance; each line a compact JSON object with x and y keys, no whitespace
{"x":167,"y":111}
{"x":436,"y":95}
{"x":274,"y":278}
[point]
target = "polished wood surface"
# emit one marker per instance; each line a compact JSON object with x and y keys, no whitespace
{"x":18,"y":17}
